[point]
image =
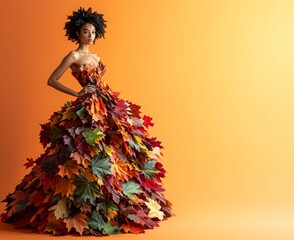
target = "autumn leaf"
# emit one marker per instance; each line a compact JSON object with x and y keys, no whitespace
{"x":69,"y":114}
{"x":65,"y":187}
{"x":130,"y":188}
{"x":78,"y":222}
{"x":147,"y":121}
{"x":69,"y":168}
{"x":37,"y":198}
{"x":108,"y":150}
{"x":132,"y":228}
{"x":149,"y":169}
{"x":93,"y":136}
{"x":30,"y":162}
{"x":109,"y":229}
{"x":85,"y":189}
{"x":20,"y":202}
{"x":81,"y":112}
{"x":80,"y":159}
{"x":60,"y":209}
{"x":121,"y":171}
{"x":55,"y":226}
{"x":101,"y":166}
{"x":96,"y":222}
{"x":154,"y":208}
{"x":111,"y":214}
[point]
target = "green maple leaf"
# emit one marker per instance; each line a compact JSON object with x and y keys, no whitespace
{"x":149,"y":169}
{"x":96,"y":222}
{"x":81,"y":112}
{"x":109,"y":229}
{"x":92,"y":136}
{"x":130,"y":188}
{"x":101,"y":166}
{"x":106,"y":205}
{"x":85,"y":189}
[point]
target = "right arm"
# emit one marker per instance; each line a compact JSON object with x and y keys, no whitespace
{"x":66,"y":62}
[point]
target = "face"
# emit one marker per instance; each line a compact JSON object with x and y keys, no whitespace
{"x":87,"y":34}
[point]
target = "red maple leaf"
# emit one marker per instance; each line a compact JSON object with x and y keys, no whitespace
{"x":30,"y":162}
{"x":147,"y":121}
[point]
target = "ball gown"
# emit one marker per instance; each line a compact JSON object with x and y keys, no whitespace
{"x":100,"y":171}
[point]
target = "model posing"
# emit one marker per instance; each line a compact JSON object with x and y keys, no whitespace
{"x":99,"y":173}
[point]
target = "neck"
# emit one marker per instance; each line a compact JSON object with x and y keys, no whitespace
{"x":83,"y":48}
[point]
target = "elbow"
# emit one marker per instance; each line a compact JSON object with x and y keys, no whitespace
{"x":49,"y":82}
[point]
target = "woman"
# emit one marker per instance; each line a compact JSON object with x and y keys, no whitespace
{"x":99,"y":173}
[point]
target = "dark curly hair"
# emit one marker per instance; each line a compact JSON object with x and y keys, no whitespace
{"x":79,"y":18}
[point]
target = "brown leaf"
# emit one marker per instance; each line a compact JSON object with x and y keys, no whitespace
{"x":78,"y":222}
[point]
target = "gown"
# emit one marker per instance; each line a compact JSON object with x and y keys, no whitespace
{"x":99,"y":172}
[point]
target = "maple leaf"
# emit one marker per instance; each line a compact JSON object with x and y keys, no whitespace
{"x":96,"y":222}
{"x":69,"y":168}
{"x":101,"y":166}
{"x":37,"y":198}
{"x":78,"y":222}
{"x":147,"y":121}
{"x":149,"y":169}
{"x":121,"y":171}
{"x":135,"y":109}
{"x":30,"y":162}
{"x":93,"y":136}
{"x":53,"y":225}
{"x":65,"y":187}
{"x":130,"y":188}
{"x":81,"y":112}
{"x":69,"y":114}
{"x":20,"y":199}
{"x":142,"y":218}
{"x":81,"y":159}
{"x":154,"y":208}
{"x":154,"y":142}
{"x":111,"y":214}
{"x":108,"y":150}
{"x":60,"y":209}
{"x":109,"y":229}
{"x":85,"y":189}
{"x":132,"y":228}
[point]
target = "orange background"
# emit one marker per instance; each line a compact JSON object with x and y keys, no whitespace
{"x":215,"y":75}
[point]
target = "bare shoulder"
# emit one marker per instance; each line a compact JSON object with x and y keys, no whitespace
{"x":72,"y":55}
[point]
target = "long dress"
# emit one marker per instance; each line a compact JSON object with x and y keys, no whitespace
{"x":99,"y":173}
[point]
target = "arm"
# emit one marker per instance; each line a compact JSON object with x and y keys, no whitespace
{"x":58,"y":72}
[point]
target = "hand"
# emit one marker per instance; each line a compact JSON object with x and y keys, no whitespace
{"x":87,"y":89}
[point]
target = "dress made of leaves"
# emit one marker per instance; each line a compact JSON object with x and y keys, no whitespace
{"x":99,"y":173}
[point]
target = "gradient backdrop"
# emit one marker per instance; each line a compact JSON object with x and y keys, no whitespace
{"x":215,"y":75}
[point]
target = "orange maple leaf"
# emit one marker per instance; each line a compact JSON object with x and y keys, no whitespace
{"x":65,"y":187}
{"x":78,"y":222}
{"x":122,"y":170}
{"x":132,"y":228}
{"x":68,"y":169}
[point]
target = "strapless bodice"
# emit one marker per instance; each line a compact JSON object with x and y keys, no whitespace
{"x":88,"y":73}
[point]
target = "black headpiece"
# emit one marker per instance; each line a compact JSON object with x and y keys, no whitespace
{"x":79,"y":18}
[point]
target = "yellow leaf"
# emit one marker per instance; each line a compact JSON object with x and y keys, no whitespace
{"x":60,"y":209}
{"x":108,"y":150}
{"x":154,"y":208}
{"x":111,"y":214}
